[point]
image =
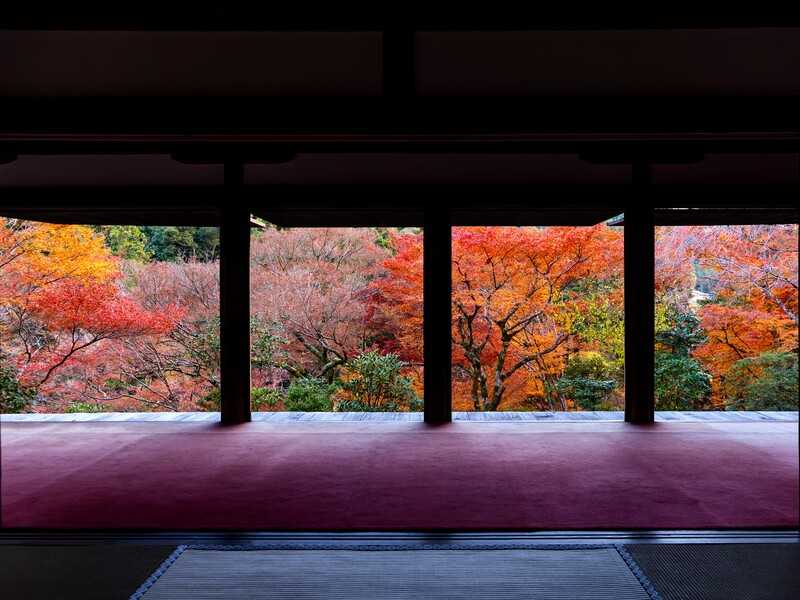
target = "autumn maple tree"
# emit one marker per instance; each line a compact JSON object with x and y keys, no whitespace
{"x":310,"y":289}
{"x":513,"y":305}
{"x":396,"y":305}
{"x":750,"y":308}
{"x":123,"y":317}
{"x":63,"y":306}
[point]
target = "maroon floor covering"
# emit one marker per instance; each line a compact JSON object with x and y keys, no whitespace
{"x":382,"y":476}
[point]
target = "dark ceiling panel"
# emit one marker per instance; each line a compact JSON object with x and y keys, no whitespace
{"x":338,"y":16}
{"x":743,"y":169}
{"x":675,"y":62}
{"x":212,"y":63}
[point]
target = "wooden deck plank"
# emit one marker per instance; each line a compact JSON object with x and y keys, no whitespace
{"x":383,"y":417}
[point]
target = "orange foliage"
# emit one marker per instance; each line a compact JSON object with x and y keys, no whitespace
{"x":99,"y":309}
{"x":510,"y":326}
{"x":674,"y":273}
{"x":511,"y":317}
{"x":396,"y":307}
{"x":34,"y":255}
{"x":752,"y":272}
{"x":63,"y":308}
{"x":400,"y":300}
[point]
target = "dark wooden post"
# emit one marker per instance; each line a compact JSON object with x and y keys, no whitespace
{"x":437,"y":289}
{"x":234,"y":276}
{"x":640,"y":303}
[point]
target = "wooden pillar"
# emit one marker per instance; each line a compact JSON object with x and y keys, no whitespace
{"x":437,"y":261}
{"x":234,"y":278}
{"x":640,"y":303}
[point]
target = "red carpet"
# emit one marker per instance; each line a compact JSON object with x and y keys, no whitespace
{"x":377,"y":476}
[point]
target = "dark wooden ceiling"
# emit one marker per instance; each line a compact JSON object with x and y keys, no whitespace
{"x":707,"y":96}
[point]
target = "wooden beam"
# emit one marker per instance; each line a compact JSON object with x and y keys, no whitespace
{"x":330,"y":124}
{"x":722,"y":216}
{"x":196,"y":206}
{"x":336,"y":17}
{"x":235,"y":301}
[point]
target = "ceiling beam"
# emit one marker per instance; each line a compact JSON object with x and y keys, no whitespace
{"x":289,"y":17}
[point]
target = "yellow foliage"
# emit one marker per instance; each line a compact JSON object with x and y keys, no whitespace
{"x":33,"y":255}
{"x":74,"y":251}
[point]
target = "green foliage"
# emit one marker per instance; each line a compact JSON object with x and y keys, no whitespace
{"x":588,"y":381}
{"x":262,"y":398}
{"x":182,"y":243}
{"x":682,"y":334}
{"x":14,"y":398}
{"x":127,"y":241}
{"x":415,"y":405}
{"x":206,"y":243}
{"x":356,"y":406}
{"x":202,"y":351}
{"x":588,"y":394}
{"x":600,"y":321}
{"x":210,"y":402}
{"x":309,"y":394}
{"x":376,"y":381}
{"x":764,"y":382}
{"x":383,"y":238}
{"x":680,"y":382}
{"x":592,"y":365}
{"x":267,"y":344}
{"x":84,"y":407}
{"x":115,"y":384}
{"x":663,"y":312}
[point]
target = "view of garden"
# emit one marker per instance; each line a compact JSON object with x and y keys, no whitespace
{"x":726,"y":317}
{"x":118,"y":318}
{"x":126,"y":318}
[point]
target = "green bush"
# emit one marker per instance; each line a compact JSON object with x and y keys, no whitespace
{"x":262,"y":398}
{"x":173,"y":243}
{"x":203,"y":348}
{"x":680,"y":383}
{"x":309,"y":394}
{"x":600,"y":321}
{"x":683,"y":333}
{"x":374,"y":382}
{"x":14,"y":398}
{"x":588,"y":381}
{"x":84,"y":407}
{"x":211,"y":401}
{"x":267,"y":345}
{"x":127,"y":241}
{"x":115,"y":384}
{"x":357,"y":406}
{"x":589,"y":365}
{"x":588,"y":394}
{"x":764,"y":382}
